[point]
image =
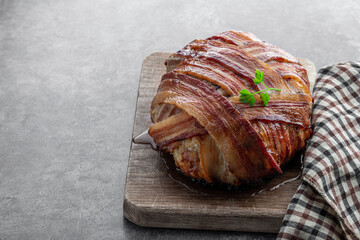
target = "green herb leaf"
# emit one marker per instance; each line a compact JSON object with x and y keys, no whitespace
{"x":252,"y":101}
{"x":257,"y":81}
{"x":265,"y":98}
{"x":245,"y":92}
{"x":247,"y":97}
{"x":257,"y":74}
{"x":259,"y":77}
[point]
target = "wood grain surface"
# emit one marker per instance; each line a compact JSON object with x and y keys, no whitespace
{"x":156,"y":195}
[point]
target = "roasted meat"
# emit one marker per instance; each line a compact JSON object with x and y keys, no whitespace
{"x":199,"y":119}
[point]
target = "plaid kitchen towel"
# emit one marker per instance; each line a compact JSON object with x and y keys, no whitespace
{"x":327,"y":203}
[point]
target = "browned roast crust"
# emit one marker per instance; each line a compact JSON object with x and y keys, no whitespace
{"x":199,"y":119}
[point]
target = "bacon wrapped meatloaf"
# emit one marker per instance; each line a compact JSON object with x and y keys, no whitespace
{"x":199,"y":118}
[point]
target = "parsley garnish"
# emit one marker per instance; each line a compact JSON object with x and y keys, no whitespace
{"x":247,"y":97}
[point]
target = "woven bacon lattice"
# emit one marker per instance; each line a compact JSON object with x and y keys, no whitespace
{"x":198,"y":117}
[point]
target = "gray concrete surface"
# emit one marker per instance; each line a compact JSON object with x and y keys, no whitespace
{"x":69,"y":73}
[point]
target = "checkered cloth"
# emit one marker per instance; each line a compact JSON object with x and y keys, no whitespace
{"x":327,"y":203}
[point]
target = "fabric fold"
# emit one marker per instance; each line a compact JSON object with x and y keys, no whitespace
{"x":327,"y":203}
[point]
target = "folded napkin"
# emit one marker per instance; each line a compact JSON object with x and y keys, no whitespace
{"x":327,"y":203}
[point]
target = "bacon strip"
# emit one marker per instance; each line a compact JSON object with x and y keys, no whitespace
{"x":236,"y":38}
{"x":209,"y":157}
{"x":282,"y":141}
{"x":217,"y":75}
{"x":174,"y":128}
{"x":267,"y":52}
{"x":163,"y":111}
{"x":292,"y":71}
{"x":292,"y":114}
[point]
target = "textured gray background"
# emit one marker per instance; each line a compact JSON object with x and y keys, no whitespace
{"x":69,"y":74}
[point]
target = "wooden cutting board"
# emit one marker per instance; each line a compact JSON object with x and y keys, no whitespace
{"x":156,"y":195}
